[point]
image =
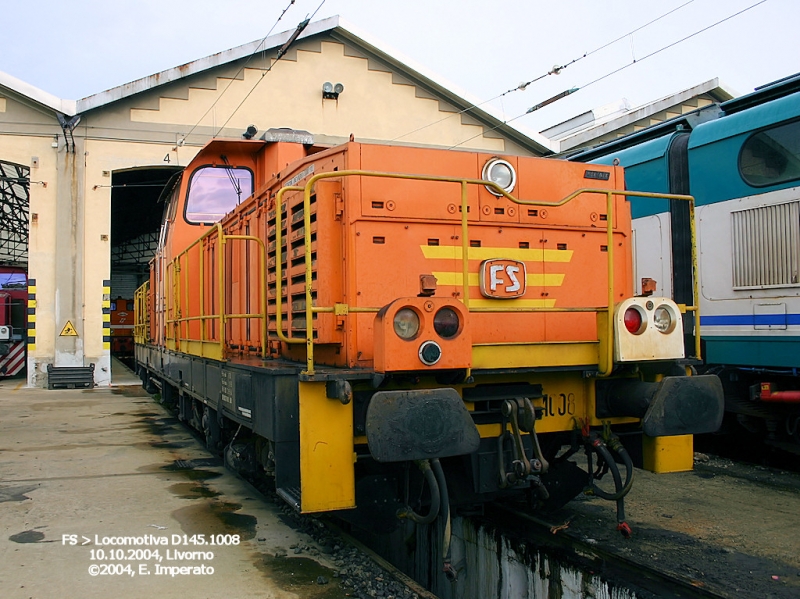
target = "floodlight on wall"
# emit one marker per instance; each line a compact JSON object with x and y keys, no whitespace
{"x":330,"y":91}
{"x":250,"y":132}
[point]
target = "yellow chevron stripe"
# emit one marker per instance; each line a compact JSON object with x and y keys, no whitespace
{"x":453,"y":252}
{"x":517,"y":303}
{"x":537,"y":280}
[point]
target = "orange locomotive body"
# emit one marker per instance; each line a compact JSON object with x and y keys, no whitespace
{"x":364,"y":321}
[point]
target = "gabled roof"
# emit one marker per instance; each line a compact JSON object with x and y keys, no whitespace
{"x":338,"y":29}
{"x":586,"y":128}
{"x":37,"y":95}
{"x":333,"y":26}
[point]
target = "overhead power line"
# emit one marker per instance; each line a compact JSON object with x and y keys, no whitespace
{"x":246,"y":62}
{"x":281,"y":51}
{"x":556,"y":70}
{"x":609,"y":74}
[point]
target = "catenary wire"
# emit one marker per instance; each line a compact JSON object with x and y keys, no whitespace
{"x":249,"y":58}
{"x":264,"y":73}
{"x":554,"y":71}
{"x":609,"y":74}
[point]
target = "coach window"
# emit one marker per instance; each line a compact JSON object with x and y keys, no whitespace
{"x":215,"y":191}
{"x":771,"y":156}
{"x":13,"y":280}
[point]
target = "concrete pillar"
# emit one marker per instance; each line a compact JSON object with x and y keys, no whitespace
{"x":69,"y":259}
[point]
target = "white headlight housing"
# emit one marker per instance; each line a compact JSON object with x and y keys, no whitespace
{"x":664,"y":319}
{"x":5,"y":333}
{"x":501,"y":172}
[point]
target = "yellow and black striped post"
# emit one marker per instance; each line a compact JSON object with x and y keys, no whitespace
{"x":106,"y":315}
{"x":31,"y":315}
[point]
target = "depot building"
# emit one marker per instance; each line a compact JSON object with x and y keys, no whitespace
{"x":80,"y":181}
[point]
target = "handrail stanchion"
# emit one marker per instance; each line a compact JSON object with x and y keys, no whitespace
{"x":279,"y":264}
{"x":465,"y":243}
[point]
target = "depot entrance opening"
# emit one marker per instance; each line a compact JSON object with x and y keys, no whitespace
{"x":136,"y":212}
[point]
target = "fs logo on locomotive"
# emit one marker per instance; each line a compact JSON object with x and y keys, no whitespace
{"x":503,"y":278}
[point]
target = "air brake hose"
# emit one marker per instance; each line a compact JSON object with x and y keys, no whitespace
{"x":619,"y":496}
{"x":603,"y":450}
{"x":430,"y":478}
{"x":438,"y":471}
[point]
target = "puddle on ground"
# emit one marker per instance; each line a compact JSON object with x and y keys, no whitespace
{"x":191,"y":491}
{"x":157,"y":426}
{"x":216,"y":517}
{"x":130,"y":391}
{"x":193,"y":474}
{"x":16,"y":493}
{"x":164,"y":445}
{"x":299,"y":575}
{"x":28,"y":536}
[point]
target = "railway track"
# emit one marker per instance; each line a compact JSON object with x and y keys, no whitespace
{"x":634,"y":572}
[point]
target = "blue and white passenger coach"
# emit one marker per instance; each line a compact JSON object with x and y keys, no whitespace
{"x":741,"y":161}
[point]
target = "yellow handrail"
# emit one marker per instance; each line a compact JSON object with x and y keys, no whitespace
{"x":141,"y":314}
{"x":262,"y":286}
{"x":279,"y":264}
{"x":179,"y":320}
{"x":464,"y":183}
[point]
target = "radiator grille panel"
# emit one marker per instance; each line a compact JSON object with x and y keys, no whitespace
{"x":766,"y":246}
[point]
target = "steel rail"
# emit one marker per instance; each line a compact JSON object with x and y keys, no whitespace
{"x":627,"y":570}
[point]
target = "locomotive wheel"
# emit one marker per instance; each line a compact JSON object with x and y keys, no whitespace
{"x":210,"y":428}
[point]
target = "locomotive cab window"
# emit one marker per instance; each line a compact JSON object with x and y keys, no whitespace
{"x":215,"y":191}
{"x":170,"y":208}
{"x":771,"y":156}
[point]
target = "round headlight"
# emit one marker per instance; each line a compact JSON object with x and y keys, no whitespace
{"x":430,"y":353}
{"x":500,"y":172}
{"x":634,"y":320}
{"x":406,"y":323}
{"x":662,"y":319}
{"x":446,"y":323}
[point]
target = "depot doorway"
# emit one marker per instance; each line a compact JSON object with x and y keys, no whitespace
{"x":137,"y":208}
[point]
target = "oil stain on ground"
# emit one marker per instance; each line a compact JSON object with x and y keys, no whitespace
{"x":192,"y":491}
{"x":16,"y":493}
{"x":27,"y":536}
{"x":216,"y":517}
{"x":301,"y":575}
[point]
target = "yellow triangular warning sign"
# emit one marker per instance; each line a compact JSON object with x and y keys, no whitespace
{"x":68,"y":330}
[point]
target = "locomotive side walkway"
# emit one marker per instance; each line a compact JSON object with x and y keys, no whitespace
{"x":104,"y":494}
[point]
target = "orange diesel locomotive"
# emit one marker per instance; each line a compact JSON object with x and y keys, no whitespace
{"x":400,"y":329}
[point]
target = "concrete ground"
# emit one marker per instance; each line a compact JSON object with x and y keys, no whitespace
{"x":81,"y":466}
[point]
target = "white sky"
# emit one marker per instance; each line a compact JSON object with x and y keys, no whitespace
{"x":76,"y":48}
